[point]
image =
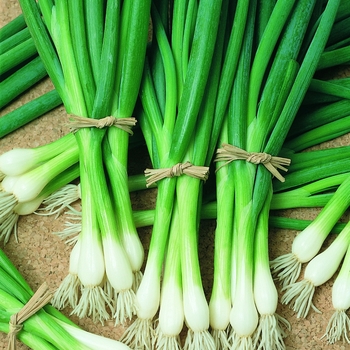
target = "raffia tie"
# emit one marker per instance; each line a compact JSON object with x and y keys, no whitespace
{"x":40,"y":298}
{"x":125,"y":124}
{"x":198,"y":172}
{"x":230,"y":153}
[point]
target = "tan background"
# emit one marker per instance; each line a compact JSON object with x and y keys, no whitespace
{"x":40,"y":256}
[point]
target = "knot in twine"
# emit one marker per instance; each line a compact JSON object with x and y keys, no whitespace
{"x":230,"y":153}
{"x":39,"y":299}
{"x":198,"y":172}
{"x":125,"y":124}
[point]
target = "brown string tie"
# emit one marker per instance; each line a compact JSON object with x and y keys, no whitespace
{"x":229,"y":153}
{"x":198,"y":172}
{"x":39,"y":299}
{"x":125,"y":124}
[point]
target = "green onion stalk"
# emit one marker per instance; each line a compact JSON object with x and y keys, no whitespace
{"x":16,"y":55}
{"x":170,"y":109}
{"x":309,"y":119}
{"x":85,"y":89}
{"x":47,"y":328}
{"x":220,"y":299}
{"x":28,"y":112}
{"x":21,"y":67}
{"x":314,"y":98}
{"x":302,"y":160}
{"x":13,"y":27}
{"x":314,"y":194}
{"x":24,"y":69}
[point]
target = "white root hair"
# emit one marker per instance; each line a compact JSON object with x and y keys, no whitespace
{"x":163,"y":341}
{"x":139,"y":335}
{"x":221,"y":339}
{"x":93,"y":303}
{"x":124,"y":306}
{"x":137,"y":278}
{"x":300,"y":294}
{"x":286,"y":269}
{"x":338,"y":327}
{"x":9,"y":226}
{"x":271,"y":332}
{"x":67,"y":294}
{"x":59,"y":200}
{"x":199,"y":340}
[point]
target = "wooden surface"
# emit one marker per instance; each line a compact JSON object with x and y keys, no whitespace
{"x":40,"y":256}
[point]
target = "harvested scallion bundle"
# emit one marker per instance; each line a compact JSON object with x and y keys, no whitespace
{"x":220,"y":300}
{"x":264,"y":130}
{"x":172,"y":134}
{"x":68,"y":53}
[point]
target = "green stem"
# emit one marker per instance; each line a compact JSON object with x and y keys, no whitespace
{"x":28,"y":112}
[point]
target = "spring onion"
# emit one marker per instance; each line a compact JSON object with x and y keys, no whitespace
{"x":307,"y":243}
{"x":318,"y":271}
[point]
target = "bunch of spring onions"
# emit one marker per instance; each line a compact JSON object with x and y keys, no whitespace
{"x":47,"y":328}
{"x":265,"y":98}
{"x":236,"y":73}
{"x":93,"y":53}
{"x":173,"y":88}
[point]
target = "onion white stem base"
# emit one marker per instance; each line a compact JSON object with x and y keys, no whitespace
{"x":140,"y":334}
{"x":301,"y":294}
{"x":124,"y":306}
{"x":270,"y":332}
{"x":286,"y":268}
{"x":93,"y":303}
{"x":220,"y":339}
{"x":338,"y":327}
{"x":67,"y":293}
{"x":199,"y":340}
